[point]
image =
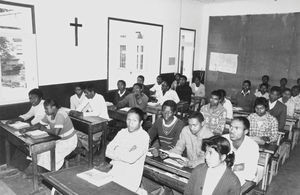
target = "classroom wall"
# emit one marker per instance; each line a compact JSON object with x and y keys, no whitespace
{"x":231,"y":8}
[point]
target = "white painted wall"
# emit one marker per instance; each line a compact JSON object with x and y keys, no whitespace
{"x":59,"y":61}
{"x":242,"y":7}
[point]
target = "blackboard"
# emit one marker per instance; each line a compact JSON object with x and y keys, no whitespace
{"x":265,"y":44}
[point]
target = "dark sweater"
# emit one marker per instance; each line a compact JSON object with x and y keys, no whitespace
{"x":168,"y":141}
{"x":279,"y":112}
{"x":118,"y":98}
{"x":184,"y":93}
{"x":229,"y":184}
{"x":246,"y":102}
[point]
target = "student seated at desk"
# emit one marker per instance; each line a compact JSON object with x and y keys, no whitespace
{"x":226,"y":104}
{"x":184,"y":91}
{"x":167,"y":94}
{"x":288,"y":101}
{"x":176,"y":81}
{"x":246,"y":150}
{"x":214,"y":114}
{"x":37,"y":110}
{"x":78,"y":98}
{"x":128,"y":151}
{"x":157,"y":89}
{"x":263,"y":126}
{"x":94,"y":105}
{"x":55,"y":122}
{"x":167,"y":129}
{"x":215,"y":175}
{"x":121,"y":93}
{"x":264,"y":80}
{"x":263,"y":91}
{"x":296,"y":97}
{"x":141,"y":79}
{"x":283,"y":82}
{"x":135,"y":99}
{"x":276,"y":108}
{"x":245,"y":98}
{"x":191,"y":138}
{"x":198,"y":89}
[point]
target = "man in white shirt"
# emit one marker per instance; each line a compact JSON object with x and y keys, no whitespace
{"x":288,"y":101}
{"x":127,"y":151}
{"x":245,"y":149}
{"x":77,"y":99}
{"x":226,"y":104}
{"x":156,"y":89}
{"x":37,"y":110}
{"x":167,"y":94}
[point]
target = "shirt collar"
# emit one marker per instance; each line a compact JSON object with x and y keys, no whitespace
{"x":121,"y":94}
{"x":244,"y":94}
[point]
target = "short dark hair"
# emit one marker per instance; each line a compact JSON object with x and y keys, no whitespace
{"x":197,"y":115}
{"x":261,"y":101}
{"x":222,"y":92}
{"x":216,"y":93}
{"x":284,"y":79}
{"x":80,"y":85}
{"x":167,"y":83}
{"x":123,"y":82}
{"x":247,"y":81}
{"x":184,"y":77}
{"x":295,"y":87}
{"x":171,"y":104}
{"x":275,"y":88}
{"x":264,"y":84}
{"x":244,"y":120}
{"x":137,"y":111}
{"x":36,"y":92}
{"x":141,"y":77}
{"x":266,"y":76}
{"x":51,"y":102}
{"x":90,"y":88}
{"x":139,"y":85}
{"x":159,"y":76}
{"x":221,"y":145}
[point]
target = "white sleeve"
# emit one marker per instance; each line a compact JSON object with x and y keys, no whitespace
{"x":251,"y":164}
{"x":175,"y":97}
{"x":112,"y":146}
{"x":229,"y":110}
{"x":28,"y":115}
{"x":72,"y":104}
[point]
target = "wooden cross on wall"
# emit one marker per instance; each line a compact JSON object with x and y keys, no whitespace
{"x":76,"y":25}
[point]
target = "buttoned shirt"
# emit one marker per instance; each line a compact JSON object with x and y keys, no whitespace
{"x":214,"y":119}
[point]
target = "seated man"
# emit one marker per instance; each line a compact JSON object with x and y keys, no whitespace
{"x":288,"y":101}
{"x":167,"y":129}
{"x":276,"y":108}
{"x":156,"y":89}
{"x":121,"y":93}
{"x":246,"y":151}
{"x":263,"y":126}
{"x":263,"y":91}
{"x":37,"y":110}
{"x":78,"y":98}
{"x":135,"y":99}
{"x":184,"y":91}
{"x":128,"y":151}
{"x":93,"y":106}
{"x":214,"y":114}
{"x":191,"y":138}
{"x":245,"y":98}
{"x":141,"y":79}
{"x":167,"y":94}
{"x":226,"y":104}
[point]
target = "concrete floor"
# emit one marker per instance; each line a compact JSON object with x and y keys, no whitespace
{"x":287,"y":182}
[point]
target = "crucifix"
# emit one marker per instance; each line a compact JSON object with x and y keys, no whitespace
{"x":76,"y":25}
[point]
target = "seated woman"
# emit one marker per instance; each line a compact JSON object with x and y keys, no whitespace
{"x":55,"y":122}
{"x":215,"y":176}
{"x":128,"y":151}
{"x":263,"y":126}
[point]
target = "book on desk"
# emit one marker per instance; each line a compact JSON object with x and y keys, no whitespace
{"x":37,"y":134}
{"x":96,"y":177}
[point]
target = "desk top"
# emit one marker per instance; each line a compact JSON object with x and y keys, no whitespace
{"x":6,"y":129}
{"x":159,"y":163}
{"x":268,"y":148}
{"x":92,"y":120}
{"x":66,"y":182}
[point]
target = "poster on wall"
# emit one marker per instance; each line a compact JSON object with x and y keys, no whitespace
{"x":223,"y":62}
{"x":18,"y":60}
{"x":134,"y":48}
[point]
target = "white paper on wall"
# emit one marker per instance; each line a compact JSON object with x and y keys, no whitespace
{"x":223,"y":62}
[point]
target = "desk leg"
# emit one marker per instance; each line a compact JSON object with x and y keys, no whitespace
{"x":52,"y":157}
{"x":90,"y":140}
{"x":7,"y":152}
{"x":103,"y":142}
{"x":35,"y":172}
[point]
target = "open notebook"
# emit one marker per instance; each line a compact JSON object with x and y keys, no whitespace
{"x":96,"y":177}
{"x":19,"y":125}
{"x":37,"y":134}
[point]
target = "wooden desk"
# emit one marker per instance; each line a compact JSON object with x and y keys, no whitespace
{"x":166,"y":174}
{"x":91,"y":125}
{"x":31,"y":147}
{"x":67,"y":183}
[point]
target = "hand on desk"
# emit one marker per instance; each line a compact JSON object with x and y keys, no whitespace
{"x":154,"y":152}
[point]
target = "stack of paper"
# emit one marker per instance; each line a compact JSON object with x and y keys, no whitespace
{"x":37,"y":134}
{"x":19,"y":125}
{"x":96,"y":177}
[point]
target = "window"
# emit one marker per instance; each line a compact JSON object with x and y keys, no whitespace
{"x":122,"y":56}
{"x":18,"y":65}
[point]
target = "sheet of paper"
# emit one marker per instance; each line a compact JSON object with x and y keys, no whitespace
{"x":173,"y":162}
{"x":125,"y":109}
{"x":173,"y":155}
{"x":223,"y":62}
{"x":96,"y":177}
{"x":19,"y":125}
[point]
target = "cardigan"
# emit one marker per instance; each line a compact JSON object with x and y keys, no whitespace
{"x":279,"y":112}
{"x":229,"y":184}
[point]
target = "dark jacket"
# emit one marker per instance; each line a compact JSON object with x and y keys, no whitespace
{"x":279,"y":112}
{"x":184,"y":93}
{"x":229,"y":184}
